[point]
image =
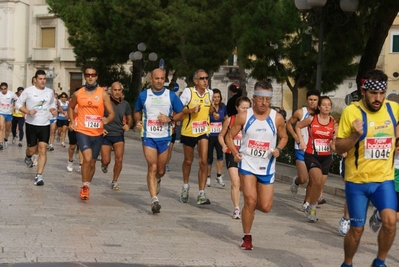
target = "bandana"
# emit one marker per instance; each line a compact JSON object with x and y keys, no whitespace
{"x":375,"y":85}
{"x":91,"y":87}
{"x":263,"y":93}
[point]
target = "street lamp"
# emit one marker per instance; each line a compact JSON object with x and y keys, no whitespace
{"x":318,"y":10}
{"x":139,"y":64}
{"x":50,"y":75}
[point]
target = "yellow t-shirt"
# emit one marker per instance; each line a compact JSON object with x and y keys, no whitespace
{"x":371,"y":159}
{"x":197,"y":124}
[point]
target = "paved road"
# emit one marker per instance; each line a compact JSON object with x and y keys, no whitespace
{"x":50,"y":226}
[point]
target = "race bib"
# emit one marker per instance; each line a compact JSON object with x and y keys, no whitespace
{"x":257,"y":148}
{"x":154,"y":126}
{"x":92,"y":121}
{"x":198,"y":127}
{"x":5,"y":106}
{"x":377,"y":147}
{"x":322,"y":145}
{"x":216,"y":127}
{"x":237,"y":139}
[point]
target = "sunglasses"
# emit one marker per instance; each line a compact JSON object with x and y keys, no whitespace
{"x":203,"y":78}
{"x":88,"y":75}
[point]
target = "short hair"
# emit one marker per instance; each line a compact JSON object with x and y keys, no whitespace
{"x":198,"y":71}
{"x":90,"y":67}
{"x":263,"y":84}
{"x":375,"y":75}
{"x":234,"y":87}
{"x":4,"y":84}
{"x":313,"y":92}
{"x":40,"y":72}
{"x":63,"y":94}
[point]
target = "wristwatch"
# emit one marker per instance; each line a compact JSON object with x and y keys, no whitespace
{"x":171,"y":118}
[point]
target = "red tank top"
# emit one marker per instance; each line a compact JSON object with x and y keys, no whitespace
{"x":237,"y":139}
{"x":320,"y":137}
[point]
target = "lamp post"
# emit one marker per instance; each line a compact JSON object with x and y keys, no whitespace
{"x":318,"y":13}
{"x":50,"y":75}
{"x":139,"y":64}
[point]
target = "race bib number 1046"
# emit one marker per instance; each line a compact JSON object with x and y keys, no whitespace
{"x":377,"y":147}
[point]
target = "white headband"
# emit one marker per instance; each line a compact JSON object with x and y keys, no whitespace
{"x":263,"y":93}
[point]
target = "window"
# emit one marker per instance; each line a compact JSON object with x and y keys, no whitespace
{"x":48,"y":37}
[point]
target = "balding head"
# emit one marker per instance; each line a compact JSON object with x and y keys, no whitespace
{"x":116,"y":90}
{"x":157,"y":79}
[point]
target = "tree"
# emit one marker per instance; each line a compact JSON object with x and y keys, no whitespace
{"x":278,"y":43}
{"x":188,"y":35}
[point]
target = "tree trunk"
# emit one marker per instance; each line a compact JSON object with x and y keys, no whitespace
{"x":385,"y":15}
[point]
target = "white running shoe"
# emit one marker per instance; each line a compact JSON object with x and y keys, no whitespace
{"x":237,"y":214}
{"x":70,"y":166}
{"x":304,"y":206}
{"x":294,"y":187}
{"x":219,"y":180}
{"x":208,"y":182}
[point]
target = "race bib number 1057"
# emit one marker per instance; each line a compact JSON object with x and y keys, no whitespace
{"x":256,"y":148}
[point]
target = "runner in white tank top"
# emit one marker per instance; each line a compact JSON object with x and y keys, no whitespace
{"x":261,"y":126}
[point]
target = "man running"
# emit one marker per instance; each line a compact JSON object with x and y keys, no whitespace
{"x":154,"y":116}
{"x":114,"y":133}
{"x":89,"y":124}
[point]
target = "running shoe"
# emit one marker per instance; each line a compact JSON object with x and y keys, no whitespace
{"x":202,"y":199}
{"x":167,"y":168}
{"x":344,"y":225}
{"x":85,"y":192}
{"x":28,"y":162}
{"x":115,"y":186}
{"x":208,"y":181}
{"x":155,"y":207}
{"x":158,"y":186}
{"x":321,"y":200}
{"x":219,"y":180}
{"x":311,"y":212}
{"x":80,"y":168}
{"x":104,"y":168}
{"x":50,"y":148}
{"x":70,"y":166}
{"x":237,"y":214}
{"x":375,"y":222}
{"x":63,"y":144}
{"x":14,"y":140}
{"x":184,"y":195}
{"x":246,"y":242}
{"x":373,"y":264}
{"x":294,"y":187}
{"x":304,"y":206}
{"x":1,"y":146}
{"x":39,"y":180}
{"x":20,"y":144}
{"x":5,"y":144}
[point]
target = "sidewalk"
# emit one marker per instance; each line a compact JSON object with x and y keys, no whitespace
{"x":49,"y":226}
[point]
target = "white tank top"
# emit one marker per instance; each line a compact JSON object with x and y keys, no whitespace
{"x":258,"y":138}
{"x":304,"y":131}
{"x":154,"y":104}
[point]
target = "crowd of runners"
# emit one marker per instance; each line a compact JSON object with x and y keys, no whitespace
{"x":247,"y":134}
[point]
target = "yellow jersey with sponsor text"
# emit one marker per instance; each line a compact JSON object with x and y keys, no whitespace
{"x":197,"y":124}
{"x":371,"y":159}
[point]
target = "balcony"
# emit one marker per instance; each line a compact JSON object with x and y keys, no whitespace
{"x":67,"y":54}
{"x":44,"y":54}
{"x":41,"y":11}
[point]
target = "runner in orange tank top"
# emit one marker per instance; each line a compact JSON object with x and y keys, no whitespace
{"x":89,"y":124}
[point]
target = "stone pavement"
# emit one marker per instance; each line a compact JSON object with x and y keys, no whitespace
{"x":50,"y":226}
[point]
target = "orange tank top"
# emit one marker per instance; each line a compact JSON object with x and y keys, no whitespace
{"x":91,"y":111}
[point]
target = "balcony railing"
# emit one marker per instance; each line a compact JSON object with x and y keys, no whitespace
{"x":44,"y":54}
{"x":67,"y":54}
{"x":41,"y":11}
